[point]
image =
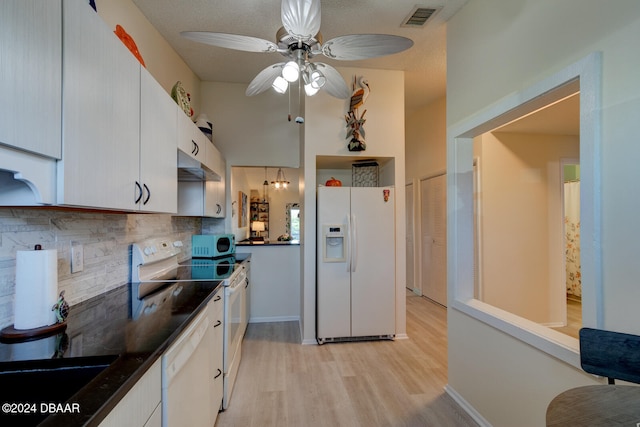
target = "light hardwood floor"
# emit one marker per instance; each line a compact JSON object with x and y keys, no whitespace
{"x":377,"y":383}
{"x":574,"y":319}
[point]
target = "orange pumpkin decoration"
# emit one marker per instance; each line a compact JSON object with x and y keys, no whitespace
{"x":333,"y":182}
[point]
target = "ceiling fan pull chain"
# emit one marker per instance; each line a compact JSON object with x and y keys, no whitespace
{"x":289,"y":116}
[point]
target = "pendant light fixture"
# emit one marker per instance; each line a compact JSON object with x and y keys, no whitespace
{"x":265,"y":187}
{"x":281,"y":181}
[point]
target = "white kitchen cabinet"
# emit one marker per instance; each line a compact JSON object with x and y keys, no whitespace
{"x":200,"y":198}
{"x":120,"y":126}
{"x":191,"y":140}
{"x":31,"y":70}
{"x":216,"y":316}
{"x":158,"y":180}
{"x":141,"y":405}
{"x":217,"y":191}
{"x":101,"y":120}
{"x":205,"y":198}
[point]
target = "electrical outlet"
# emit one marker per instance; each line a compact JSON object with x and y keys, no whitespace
{"x":77,"y":257}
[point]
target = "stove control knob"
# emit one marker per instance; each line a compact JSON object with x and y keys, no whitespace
{"x":148,"y":250}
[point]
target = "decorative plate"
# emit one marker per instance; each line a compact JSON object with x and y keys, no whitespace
{"x":180,"y":96}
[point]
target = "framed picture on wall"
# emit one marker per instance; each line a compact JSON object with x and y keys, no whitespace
{"x":242,"y":218}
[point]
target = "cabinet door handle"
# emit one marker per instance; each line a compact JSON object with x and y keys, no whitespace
{"x":218,"y":374}
{"x":148,"y":194}
{"x":247,"y":285}
{"x":139,"y":193}
{"x":219,"y":208}
{"x":218,"y":323}
{"x":217,"y":298}
{"x":196,"y":149}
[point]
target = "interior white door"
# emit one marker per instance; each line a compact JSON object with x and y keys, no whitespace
{"x":410,"y":241}
{"x":373,"y":261}
{"x":433,"y":218}
{"x":333,"y":278}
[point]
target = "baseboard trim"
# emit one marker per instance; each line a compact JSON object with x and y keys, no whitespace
{"x":470,"y":410}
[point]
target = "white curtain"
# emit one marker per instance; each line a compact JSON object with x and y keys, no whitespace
{"x":572,"y":237}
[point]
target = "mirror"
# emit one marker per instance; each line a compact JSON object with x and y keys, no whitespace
{"x":293,"y":221}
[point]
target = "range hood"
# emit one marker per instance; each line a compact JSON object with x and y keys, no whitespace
{"x":190,"y":169}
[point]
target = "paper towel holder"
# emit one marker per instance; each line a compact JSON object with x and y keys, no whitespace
{"x":10,"y":334}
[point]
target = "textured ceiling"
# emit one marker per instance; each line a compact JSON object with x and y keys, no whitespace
{"x":424,"y":64}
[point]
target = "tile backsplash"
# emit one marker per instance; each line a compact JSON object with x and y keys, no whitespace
{"x":106,"y":240}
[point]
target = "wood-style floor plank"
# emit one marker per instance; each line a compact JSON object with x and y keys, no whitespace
{"x":375,"y":383}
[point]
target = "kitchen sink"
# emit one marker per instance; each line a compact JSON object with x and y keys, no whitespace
{"x":32,"y":383}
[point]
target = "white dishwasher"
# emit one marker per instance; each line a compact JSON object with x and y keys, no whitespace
{"x":186,"y":380}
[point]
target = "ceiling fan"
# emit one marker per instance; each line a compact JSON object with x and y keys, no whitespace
{"x":300,"y":40}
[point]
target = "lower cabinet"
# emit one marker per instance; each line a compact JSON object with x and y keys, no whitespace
{"x":141,"y":406}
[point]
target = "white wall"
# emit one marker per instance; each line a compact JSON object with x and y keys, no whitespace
{"x":521,"y":221}
{"x":275,"y":283}
{"x":426,"y":156}
{"x":251,"y":131}
{"x":426,"y":141}
{"x":513,"y":45}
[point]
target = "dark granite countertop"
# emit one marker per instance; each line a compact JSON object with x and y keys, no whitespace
{"x":113,"y":326}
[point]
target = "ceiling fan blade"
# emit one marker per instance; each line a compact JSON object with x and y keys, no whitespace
{"x":335,"y":84}
{"x":301,"y":18}
{"x":231,"y":41}
{"x":264,"y":79}
{"x":364,"y":46}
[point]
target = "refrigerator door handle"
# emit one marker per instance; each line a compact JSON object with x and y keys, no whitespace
{"x":347,"y":242}
{"x":354,"y":243}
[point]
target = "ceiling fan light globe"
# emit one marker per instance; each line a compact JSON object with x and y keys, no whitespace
{"x":280,"y":85}
{"x":291,"y":71}
{"x":310,"y":90}
{"x":317,"y":79}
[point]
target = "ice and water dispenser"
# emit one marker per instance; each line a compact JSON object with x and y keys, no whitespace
{"x":333,"y":243}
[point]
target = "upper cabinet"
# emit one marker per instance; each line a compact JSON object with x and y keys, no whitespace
{"x":101,"y":120}
{"x":84,"y":124}
{"x":119,"y":132}
{"x":158,"y":135}
{"x":31,"y":70}
{"x":191,"y":140}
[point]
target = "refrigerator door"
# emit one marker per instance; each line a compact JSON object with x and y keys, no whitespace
{"x":373,"y":264}
{"x":333,"y":287}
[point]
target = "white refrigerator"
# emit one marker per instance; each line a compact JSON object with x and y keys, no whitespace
{"x":355,"y":284}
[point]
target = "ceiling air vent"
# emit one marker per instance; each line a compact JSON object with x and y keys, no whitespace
{"x":419,"y":16}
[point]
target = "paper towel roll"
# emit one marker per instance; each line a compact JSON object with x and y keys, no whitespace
{"x":36,"y":288}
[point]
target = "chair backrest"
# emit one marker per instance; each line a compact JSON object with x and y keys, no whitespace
{"x":610,"y":354}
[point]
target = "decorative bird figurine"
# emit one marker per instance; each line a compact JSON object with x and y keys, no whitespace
{"x":355,"y":129}
{"x":360,"y":94}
